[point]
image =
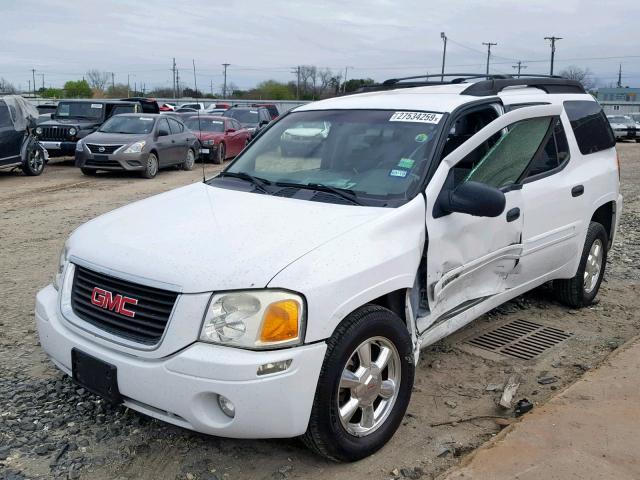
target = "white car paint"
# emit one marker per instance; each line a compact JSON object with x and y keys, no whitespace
{"x":201,"y":239}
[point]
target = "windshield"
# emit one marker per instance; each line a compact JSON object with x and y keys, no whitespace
{"x":92,"y":111}
{"x":204,"y":125}
{"x":243,"y":116}
{"x":132,"y":125}
{"x":378,"y":155}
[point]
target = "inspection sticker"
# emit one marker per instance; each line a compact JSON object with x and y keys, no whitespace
{"x":398,"y":173}
{"x":420,"y":117}
{"x":406,"y":162}
{"x":422,"y":137}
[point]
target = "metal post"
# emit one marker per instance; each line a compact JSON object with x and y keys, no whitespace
{"x":33,"y":72}
{"x":519,"y":66}
{"x":553,"y":50}
{"x":224,"y":88}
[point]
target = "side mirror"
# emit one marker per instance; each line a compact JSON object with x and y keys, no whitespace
{"x":52,"y":115}
{"x":230,"y":130}
{"x":163,"y":133}
{"x":263,"y":123}
{"x":473,"y":198}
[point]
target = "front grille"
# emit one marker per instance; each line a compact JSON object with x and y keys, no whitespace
{"x":106,"y":149}
{"x":151,"y":313}
{"x":54,"y":133}
{"x":102,"y":163}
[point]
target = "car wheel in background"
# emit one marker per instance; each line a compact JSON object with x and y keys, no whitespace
{"x":220,"y":154}
{"x":582,"y":289}
{"x":34,"y":164}
{"x":151,"y":168}
{"x":364,"y":387}
{"x":88,"y":171}
{"x":190,"y":160}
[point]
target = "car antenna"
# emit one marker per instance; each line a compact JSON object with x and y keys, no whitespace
{"x":195,"y":84}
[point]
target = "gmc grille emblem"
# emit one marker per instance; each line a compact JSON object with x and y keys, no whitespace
{"x":101,"y":149}
{"x":118,"y":303}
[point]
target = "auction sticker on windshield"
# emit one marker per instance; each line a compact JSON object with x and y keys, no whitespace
{"x":96,"y":105}
{"x":421,"y":117}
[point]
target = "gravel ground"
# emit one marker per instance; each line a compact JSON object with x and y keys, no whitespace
{"x":51,"y":428}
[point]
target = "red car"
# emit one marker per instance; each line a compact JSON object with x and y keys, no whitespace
{"x":220,"y":137}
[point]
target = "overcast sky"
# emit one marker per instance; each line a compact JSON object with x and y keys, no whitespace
{"x":264,"y":39}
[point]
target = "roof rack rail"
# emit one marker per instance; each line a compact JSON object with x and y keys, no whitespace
{"x":548,"y":84}
{"x":491,"y":84}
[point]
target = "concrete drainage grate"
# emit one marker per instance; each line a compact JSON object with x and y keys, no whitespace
{"x":520,"y":339}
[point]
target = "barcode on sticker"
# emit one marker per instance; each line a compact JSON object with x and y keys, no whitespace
{"x":421,"y":117}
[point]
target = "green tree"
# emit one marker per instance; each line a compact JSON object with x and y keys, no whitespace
{"x":53,"y":93}
{"x":77,"y":89}
{"x":355,"y":83}
{"x":273,"y":90}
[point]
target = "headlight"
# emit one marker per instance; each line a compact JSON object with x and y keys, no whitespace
{"x":62,"y":261}
{"x":256,"y":319}
{"x":136,"y":147}
{"x":209,"y":143}
{"x":72,"y":131}
{"x":79,"y":146}
{"x":38,"y":130}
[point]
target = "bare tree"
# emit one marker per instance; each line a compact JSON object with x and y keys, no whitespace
{"x":582,"y":75}
{"x":324,"y":81}
{"x":98,"y":80}
{"x":7,"y":87}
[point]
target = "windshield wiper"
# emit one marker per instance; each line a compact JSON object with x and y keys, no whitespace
{"x":256,"y":181}
{"x":338,"y":192}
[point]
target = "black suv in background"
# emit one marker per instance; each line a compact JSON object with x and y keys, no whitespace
{"x":75,"y":119}
{"x":253,"y":119}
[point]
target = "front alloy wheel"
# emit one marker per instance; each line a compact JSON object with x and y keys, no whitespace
{"x":151,"y":167}
{"x":364,"y":386}
{"x":34,"y":164}
{"x":190,"y":161}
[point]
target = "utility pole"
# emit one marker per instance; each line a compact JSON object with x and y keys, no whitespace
{"x":29,"y":86}
{"x":211,"y":87}
{"x":224,"y":88}
{"x":113,"y":81}
{"x":344,"y":83}
{"x":444,"y":54}
{"x":135,"y":88}
{"x":489,"y":45}
{"x":296,"y":70}
{"x":33,"y":72}
{"x":553,"y":50}
{"x":128,"y":88}
{"x":173,"y":69}
{"x":519,"y":66}
{"x":620,"y":76}
{"x":178,"y":82}
{"x":42,"y":75}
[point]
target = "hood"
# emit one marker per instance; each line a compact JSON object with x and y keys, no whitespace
{"x":115,"y":138}
{"x":201,"y":238}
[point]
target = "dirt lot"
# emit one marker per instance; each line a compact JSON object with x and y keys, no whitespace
{"x":50,"y":428}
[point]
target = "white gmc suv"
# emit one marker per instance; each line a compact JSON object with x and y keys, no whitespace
{"x":291,"y":294}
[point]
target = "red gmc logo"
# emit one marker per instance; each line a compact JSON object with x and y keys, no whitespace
{"x":105,"y":299}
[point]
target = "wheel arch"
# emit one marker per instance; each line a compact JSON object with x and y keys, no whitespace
{"x":605,"y":215}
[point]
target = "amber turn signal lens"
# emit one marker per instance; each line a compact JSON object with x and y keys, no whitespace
{"x":280,"y":322}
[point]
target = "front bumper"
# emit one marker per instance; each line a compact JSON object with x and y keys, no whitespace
{"x":58,"y":148}
{"x":113,"y":161}
{"x":183,"y":388}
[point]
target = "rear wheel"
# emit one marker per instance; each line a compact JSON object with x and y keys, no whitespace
{"x":364,"y":387}
{"x":90,"y":172}
{"x":34,"y":163}
{"x":151,"y":167}
{"x":190,"y":161}
{"x":221,"y":154}
{"x":582,"y":289}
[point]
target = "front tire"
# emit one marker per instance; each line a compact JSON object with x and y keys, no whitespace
{"x":89,"y":172}
{"x":364,"y":386}
{"x":151,"y":168}
{"x":582,"y":289}
{"x":34,"y":163}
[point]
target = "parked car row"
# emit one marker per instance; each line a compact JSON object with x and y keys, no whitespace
{"x":625,"y":127}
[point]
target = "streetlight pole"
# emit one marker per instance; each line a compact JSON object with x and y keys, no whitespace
{"x":553,"y":50}
{"x":444,"y":54}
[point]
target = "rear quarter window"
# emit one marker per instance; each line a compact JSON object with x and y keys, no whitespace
{"x":590,"y":126}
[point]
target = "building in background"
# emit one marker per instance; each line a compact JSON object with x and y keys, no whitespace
{"x":619,"y":100}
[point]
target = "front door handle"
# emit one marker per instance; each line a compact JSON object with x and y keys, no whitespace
{"x":513,"y":214}
{"x":577,"y":190}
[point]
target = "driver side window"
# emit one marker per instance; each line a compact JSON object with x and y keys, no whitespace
{"x":509,"y":157}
